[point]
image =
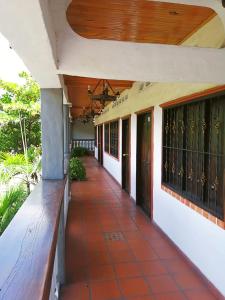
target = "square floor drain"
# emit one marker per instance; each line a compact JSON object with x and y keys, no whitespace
{"x":113,"y":236}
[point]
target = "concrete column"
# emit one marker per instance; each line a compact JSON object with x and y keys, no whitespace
{"x":66,"y":128}
{"x":52,"y":134}
{"x":70,"y":131}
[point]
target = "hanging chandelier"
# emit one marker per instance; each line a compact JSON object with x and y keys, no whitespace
{"x":88,"y":114}
{"x":107,"y":94}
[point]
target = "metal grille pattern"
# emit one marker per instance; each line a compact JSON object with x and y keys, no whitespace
{"x":114,"y":138}
{"x":106,"y":127}
{"x":194,"y":151}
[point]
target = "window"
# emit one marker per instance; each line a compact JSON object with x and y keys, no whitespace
{"x":194,"y":151}
{"x":114,"y":138}
{"x":95,"y":136}
{"x":106,"y":137}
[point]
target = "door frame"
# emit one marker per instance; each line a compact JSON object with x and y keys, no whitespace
{"x":100,"y":148}
{"x":138,"y":113}
{"x":128,"y":117}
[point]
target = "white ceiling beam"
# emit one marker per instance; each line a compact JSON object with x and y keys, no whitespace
{"x":24,"y":23}
{"x":133,"y":61}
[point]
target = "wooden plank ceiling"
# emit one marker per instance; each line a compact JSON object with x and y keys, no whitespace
{"x":78,"y":91}
{"x":137,"y":20}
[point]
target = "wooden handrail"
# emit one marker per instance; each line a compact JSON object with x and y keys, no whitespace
{"x":27,"y":246}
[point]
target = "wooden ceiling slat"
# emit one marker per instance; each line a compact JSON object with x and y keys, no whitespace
{"x":136,"y":20}
{"x":78,"y":91}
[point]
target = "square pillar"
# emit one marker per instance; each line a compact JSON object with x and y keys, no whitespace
{"x":52,"y":134}
{"x":66,"y":128}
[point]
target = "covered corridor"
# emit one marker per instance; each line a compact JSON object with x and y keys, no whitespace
{"x":114,"y":252}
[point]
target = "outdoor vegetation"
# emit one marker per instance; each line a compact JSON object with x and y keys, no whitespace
{"x":20,"y":138}
{"x":79,"y":152}
{"x":76,"y":169}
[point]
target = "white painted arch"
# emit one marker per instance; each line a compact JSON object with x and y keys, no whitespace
{"x":39,"y":33}
{"x":136,"y":61}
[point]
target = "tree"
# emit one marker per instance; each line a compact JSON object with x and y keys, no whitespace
{"x":19,"y":115}
{"x":24,"y":167}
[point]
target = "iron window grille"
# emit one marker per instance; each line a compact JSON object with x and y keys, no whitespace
{"x":106,"y":137}
{"x":194,"y":152}
{"x":114,"y":138}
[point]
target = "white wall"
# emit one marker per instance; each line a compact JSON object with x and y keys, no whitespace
{"x":83,"y":131}
{"x":200,"y":239}
{"x":110,"y":163}
{"x":133,"y":154}
{"x":96,"y":153}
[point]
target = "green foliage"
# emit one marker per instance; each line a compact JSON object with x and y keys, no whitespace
{"x":10,"y":203}
{"x":76,"y":169}
{"x":79,"y":152}
{"x":19,"y":112}
{"x":27,"y":168}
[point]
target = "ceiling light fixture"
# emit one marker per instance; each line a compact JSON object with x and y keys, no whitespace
{"x":107,"y":94}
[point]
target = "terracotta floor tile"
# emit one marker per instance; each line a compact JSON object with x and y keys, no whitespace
{"x":143,"y":265}
{"x":177,"y":266}
{"x":134,"y":287}
{"x":122,"y":256}
{"x":162,"y":284}
{"x":147,"y":297}
{"x":170,"y":296}
{"x":199,"y":295}
{"x":145,"y":254}
{"x":100,"y":272}
{"x":76,"y":275}
{"x":105,"y":290}
{"x":99,"y":258}
{"x":96,"y":246}
{"x":154,"y":267}
{"x":118,"y":245}
{"x":133,"y":235}
{"x":76,"y":291}
{"x":127,"y":270}
{"x":189,"y":281}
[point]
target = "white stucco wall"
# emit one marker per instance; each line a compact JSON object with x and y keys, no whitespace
{"x":133,"y":155}
{"x":201,"y":240}
{"x":83,"y":131}
{"x":96,"y":152}
{"x":110,"y":163}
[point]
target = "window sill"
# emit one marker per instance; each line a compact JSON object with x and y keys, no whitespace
{"x":191,"y":205}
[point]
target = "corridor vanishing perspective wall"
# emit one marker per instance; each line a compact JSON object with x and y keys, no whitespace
{"x":199,"y":238}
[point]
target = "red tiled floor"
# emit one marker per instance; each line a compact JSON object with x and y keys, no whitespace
{"x":78,"y":291}
{"x":155,"y":267}
{"x":128,"y":270}
{"x":162,"y":284}
{"x":113,"y":251}
{"x":105,"y":290}
{"x":101,"y":272}
{"x":170,"y":296}
{"x":134,"y":287}
{"x":199,"y":295}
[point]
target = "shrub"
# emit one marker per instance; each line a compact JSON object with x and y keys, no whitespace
{"x":10,"y":203}
{"x":79,"y":151}
{"x":76,"y":169}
